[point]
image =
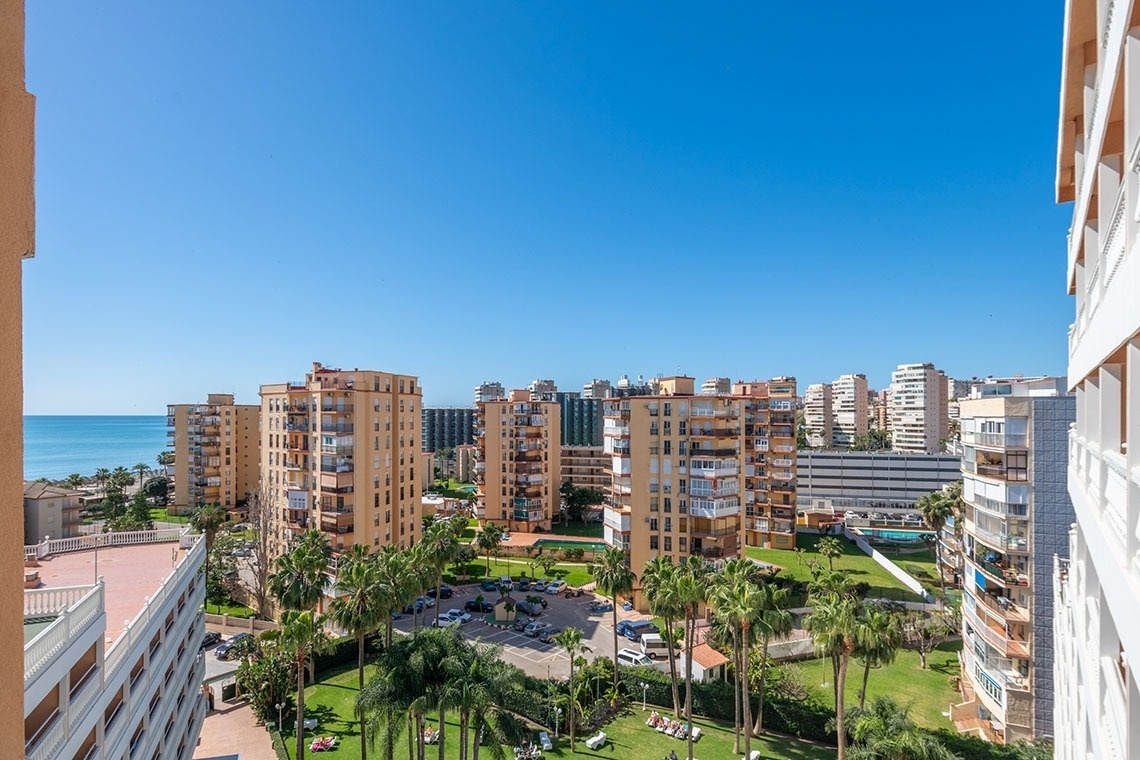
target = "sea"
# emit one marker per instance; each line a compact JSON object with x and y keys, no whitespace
{"x":56,"y":445}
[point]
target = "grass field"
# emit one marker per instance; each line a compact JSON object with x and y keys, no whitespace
{"x":853,"y":561}
{"x":927,"y":692}
{"x":159,"y":514}
{"x":589,"y":530}
{"x":233,"y":610}
{"x":575,"y":574}
{"x":330,"y":702}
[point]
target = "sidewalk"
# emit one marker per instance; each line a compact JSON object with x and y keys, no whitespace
{"x":231,"y":732}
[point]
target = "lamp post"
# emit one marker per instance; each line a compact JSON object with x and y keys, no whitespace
{"x":280,"y":707}
{"x":644,"y":691}
{"x":557,"y":715}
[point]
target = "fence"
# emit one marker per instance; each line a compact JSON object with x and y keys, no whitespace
{"x":48,"y":547}
{"x":904,"y":577}
{"x":228,"y":625}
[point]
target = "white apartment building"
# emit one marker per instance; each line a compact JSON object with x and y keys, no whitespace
{"x":112,"y":662}
{"x":817,"y":415}
{"x":919,"y":418}
{"x":488,"y":391}
{"x":849,"y":410}
{"x":716,"y":386}
{"x":542,"y":390}
{"x":1097,"y":626}
{"x":1016,"y":519}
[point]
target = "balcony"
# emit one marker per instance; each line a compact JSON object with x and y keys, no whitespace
{"x":702,"y":410}
{"x":996,"y":440}
{"x":1001,"y":607}
{"x":1003,"y":575}
{"x":1003,"y":542}
{"x":337,"y":467}
{"x":714,"y":508}
{"x":708,"y":468}
{"x":697,"y":431}
{"x":998,"y":637}
{"x":711,"y":532}
{"x":337,"y":409}
{"x":297,"y":427}
{"x":998,"y":507}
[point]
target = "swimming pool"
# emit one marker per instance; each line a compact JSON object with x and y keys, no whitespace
{"x":899,"y":536}
{"x":554,"y":543}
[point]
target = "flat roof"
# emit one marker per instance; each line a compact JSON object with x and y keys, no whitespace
{"x":130,"y":574}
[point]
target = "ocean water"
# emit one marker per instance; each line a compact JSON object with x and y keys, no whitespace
{"x":56,"y":446}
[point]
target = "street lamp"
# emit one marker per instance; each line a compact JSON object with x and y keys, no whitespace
{"x":280,"y":707}
{"x":557,"y":714}
{"x":644,"y":691}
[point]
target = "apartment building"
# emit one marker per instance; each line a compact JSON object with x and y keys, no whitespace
{"x":597,"y":389}
{"x":216,"y":453}
{"x":1016,"y":519}
{"x":112,"y":663}
{"x":919,"y":420}
{"x":463,"y":463}
{"x":716,"y":386}
{"x":585,"y":467}
{"x":581,"y":419}
{"x":686,"y":470}
{"x":879,"y":415}
{"x":849,"y":411}
{"x":870,"y":481}
{"x":519,"y":466}
{"x":50,"y":512}
{"x":818,"y":421}
{"x":1097,"y":631}
{"x":542,"y":390}
{"x":488,"y":391}
{"x":447,"y":427}
{"x":339,"y":452}
{"x":17,"y":242}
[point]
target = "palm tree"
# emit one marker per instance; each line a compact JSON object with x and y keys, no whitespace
{"x":301,"y":634}
{"x":142,"y":470}
{"x":886,"y":732}
{"x":879,"y":641}
{"x":393,"y":585}
{"x":73,"y":481}
{"x":302,"y":572}
{"x":692,"y":584}
{"x":935,"y":508}
{"x":659,"y":585}
{"x":730,"y":588}
{"x":488,"y":541}
{"x":774,"y":621}
{"x":612,"y":575}
{"x":439,"y":544}
{"x":570,"y":639}
{"x":358,"y":608}
{"x":209,"y":518}
{"x":102,"y":475}
{"x":164,"y":458}
{"x":834,"y":626}
{"x":829,"y":547}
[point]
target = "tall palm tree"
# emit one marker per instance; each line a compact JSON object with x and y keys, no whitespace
{"x":692,"y":585}
{"x":439,"y":544}
{"x":613,"y":575}
{"x":208,"y":518}
{"x":834,"y":626}
{"x":880,"y":638}
{"x":102,"y":475}
{"x":830,"y":548}
{"x":164,"y":458}
{"x":142,"y":470}
{"x":774,"y":621}
{"x":359,"y":609}
{"x":570,"y":639}
{"x":73,"y":481}
{"x":302,"y":572}
{"x":727,"y":597}
{"x":421,"y":574}
{"x":394,"y":587}
{"x":301,"y":634}
{"x":488,"y":541}
{"x":659,"y":584}
{"x":935,"y":508}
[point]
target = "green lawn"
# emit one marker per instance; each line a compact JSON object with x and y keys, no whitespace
{"x":575,"y":574}
{"x":922,"y":559}
{"x":330,"y":702}
{"x":233,"y":610}
{"x":159,"y":514}
{"x":853,"y":561}
{"x":928,"y":692}
{"x":589,"y":530}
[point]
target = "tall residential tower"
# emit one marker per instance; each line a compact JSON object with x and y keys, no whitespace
{"x":919,"y":419}
{"x":216,"y":453}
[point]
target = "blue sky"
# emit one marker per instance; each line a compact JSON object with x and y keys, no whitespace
{"x":467,"y":191}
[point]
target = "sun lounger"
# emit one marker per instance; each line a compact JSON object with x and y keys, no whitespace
{"x":597,"y":740}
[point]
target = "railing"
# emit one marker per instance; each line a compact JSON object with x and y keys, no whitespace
{"x":73,"y":618}
{"x":82,"y":699}
{"x":47,"y":740}
{"x":1001,"y":541}
{"x":999,"y":507}
{"x":1008,"y":440}
{"x":84,"y":543}
{"x":339,"y":409}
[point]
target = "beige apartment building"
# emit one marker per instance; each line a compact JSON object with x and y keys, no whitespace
{"x":585,"y":467}
{"x":463,"y":463}
{"x":699,"y":474}
{"x":216,"y":453}
{"x":818,"y":420}
{"x":849,"y":410}
{"x":919,"y":417}
{"x":339,"y":453}
{"x":519,"y":467}
{"x":17,"y":242}
{"x":50,"y":512}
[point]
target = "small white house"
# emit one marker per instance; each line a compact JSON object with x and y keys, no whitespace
{"x":708,"y":664}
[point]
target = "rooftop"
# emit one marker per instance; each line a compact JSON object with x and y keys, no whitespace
{"x":131,"y":574}
{"x":39,"y":490}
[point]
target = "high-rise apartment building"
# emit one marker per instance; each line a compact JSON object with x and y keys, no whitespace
{"x":519,"y":466}
{"x":716,"y":386}
{"x":880,"y":412}
{"x":339,"y":452}
{"x":17,"y":242}
{"x":1017,"y":513}
{"x":585,"y":467}
{"x":488,"y":391}
{"x":1098,"y":589}
{"x":958,"y":389}
{"x":542,"y":390}
{"x":920,"y":422}
{"x":849,"y":413}
{"x":216,"y":453}
{"x":581,"y":419}
{"x":447,"y":427}
{"x":817,"y":415}
{"x":597,"y":389}
{"x":686,"y":470}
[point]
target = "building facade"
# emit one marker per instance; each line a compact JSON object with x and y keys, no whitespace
{"x":849,"y":411}
{"x":597,"y":389}
{"x":1016,"y":518}
{"x":50,"y":512}
{"x":686,"y":471}
{"x":861,"y":481}
{"x":817,"y":415}
{"x":542,"y":390}
{"x":585,"y":467}
{"x":920,"y":422}
{"x":581,"y":419}
{"x":488,"y":391}
{"x":716,"y":386}
{"x":447,"y":427}
{"x":216,"y":453}
{"x":101,"y":687}
{"x":339,"y":452}
{"x":1097,"y":713}
{"x":519,"y":467}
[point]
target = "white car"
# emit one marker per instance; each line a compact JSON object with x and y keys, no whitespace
{"x":533,"y":629}
{"x":458,"y":614}
{"x":555,"y":587}
{"x":446,"y":621}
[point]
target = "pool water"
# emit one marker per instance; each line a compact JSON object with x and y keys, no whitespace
{"x":554,"y":543}
{"x":901,"y":536}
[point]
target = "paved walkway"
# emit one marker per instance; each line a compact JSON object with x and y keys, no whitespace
{"x":231,"y":733}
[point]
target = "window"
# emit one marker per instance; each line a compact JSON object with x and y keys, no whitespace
{"x":668,"y":543}
{"x":653,"y":543}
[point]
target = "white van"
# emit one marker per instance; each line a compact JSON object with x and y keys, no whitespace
{"x":652,"y":645}
{"x":633,"y":657}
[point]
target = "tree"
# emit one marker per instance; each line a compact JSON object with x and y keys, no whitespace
{"x":440,"y":543}
{"x":220,"y":569}
{"x":692,"y":582}
{"x":879,"y":642}
{"x":922,"y":632}
{"x":489,"y":540}
{"x":259,"y":562}
{"x":935,"y":509}
{"x":142,"y":470}
{"x":829,"y":547}
{"x":834,"y":626}
{"x":358,"y":608}
{"x":302,"y":572}
{"x":578,"y":499}
{"x":734,"y":600}
{"x":395,"y":588}
{"x":886,"y":732}
{"x":208,"y":519}
{"x":301,"y":635}
{"x":155,"y":488}
{"x":266,"y":681}
{"x":659,"y":584}
{"x":570,"y":639}
{"x":873,"y":440}
{"x":102,"y":475}
{"x":612,"y":575}
{"x":546,"y":563}
{"x":164,"y":459}
{"x":774,"y":620}
{"x":135,"y":517}
{"x":73,"y":481}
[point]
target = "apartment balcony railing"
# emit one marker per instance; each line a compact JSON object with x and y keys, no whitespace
{"x":703,"y":432}
{"x":999,"y":507}
{"x":337,"y":409}
{"x":714,"y":508}
{"x":337,"y":468}
{"x":1002,"y":606}
{"x":1006,"y":576}
{"x":1001,"y":541}
{"x":996,"y":471}
{"x":74,"y":607}
{"x":999,"y":440}
{"x":698,"y":410}
{"x":525,"y":515}
{"x":297,"y":427}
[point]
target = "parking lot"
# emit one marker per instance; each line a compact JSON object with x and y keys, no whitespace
{"x":530,"y":654}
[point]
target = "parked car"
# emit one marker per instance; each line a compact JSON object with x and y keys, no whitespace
{"x":473,"y":606}
{"x":455,"y":612}
{"x":547,"y":636}
{"x":633,"y":657}
{"x":446,"y":621}
{"x":241,"y":552}
{"x":536,"y":628}
{"x":224,"y":649}
{"x":443,"y":592}
{"x":632,"y":629}
{"x":523,"y":585}
{"x":540,"y":586}
{"x":596,"y":607}
{"x":522,"y":623}
{"x":531,"y":608}
{"x":210,"y":639}
{"x":555,"y":587}
{"x":427,"y":601}
{"x":489,"y":585}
